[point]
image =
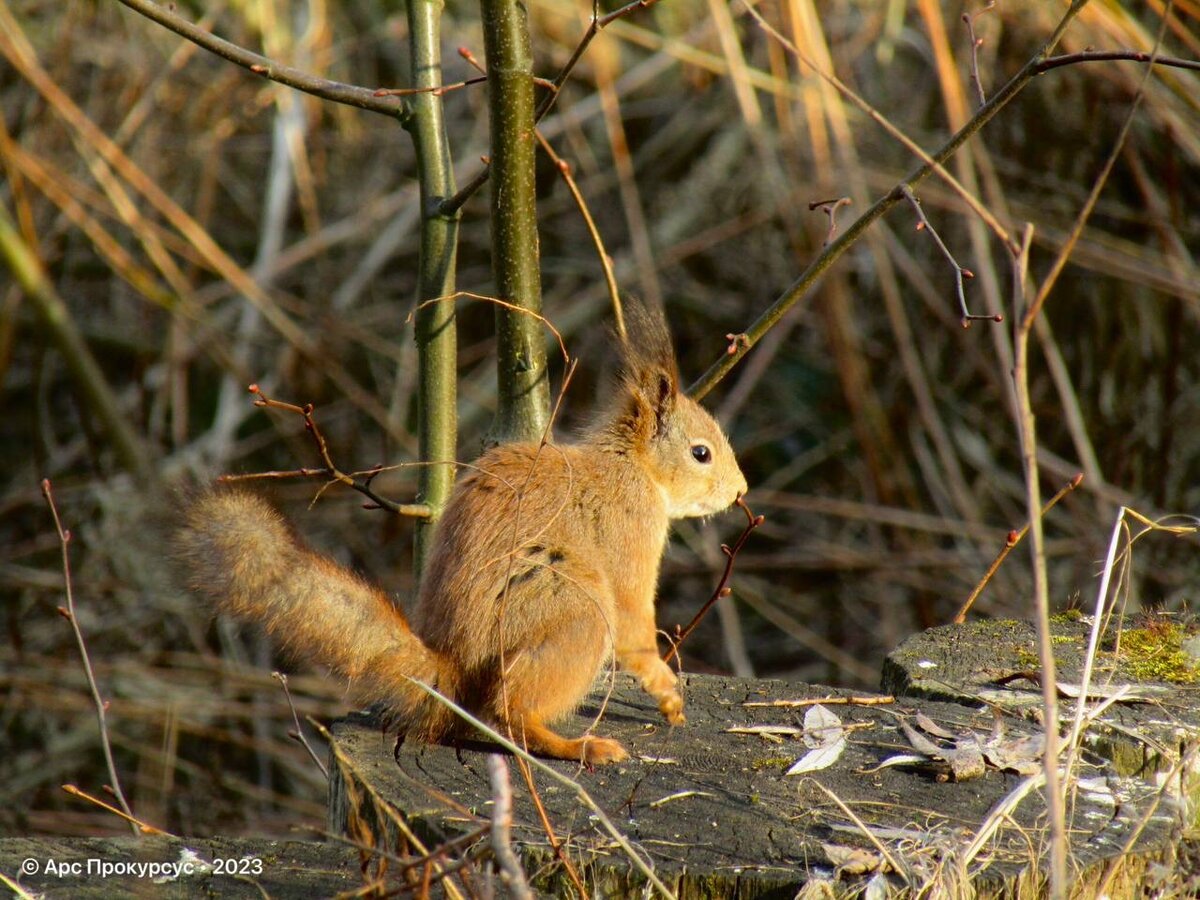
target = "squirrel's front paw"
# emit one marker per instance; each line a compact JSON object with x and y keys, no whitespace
{"x":671,"y":706}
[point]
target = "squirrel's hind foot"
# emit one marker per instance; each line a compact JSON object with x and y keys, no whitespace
{"x":597,"y":750}
{"x":589,"y":750}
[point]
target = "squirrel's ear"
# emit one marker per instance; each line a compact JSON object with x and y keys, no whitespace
{"x":650,"y":402}
{"x":649,"y":373}
{"x":664,"y":388}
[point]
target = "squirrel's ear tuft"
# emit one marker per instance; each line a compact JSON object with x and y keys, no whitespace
{"x":647,"y":342}
{"x":648,"y":357}
{"x":646,"y":386}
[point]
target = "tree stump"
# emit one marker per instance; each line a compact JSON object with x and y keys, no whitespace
{"x":1151,"y":725}
{"x":711,"y":813}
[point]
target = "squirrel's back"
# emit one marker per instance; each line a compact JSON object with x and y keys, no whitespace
{"x":585,"y":514}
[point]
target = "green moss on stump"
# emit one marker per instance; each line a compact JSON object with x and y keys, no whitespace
{"x":1156,"y":653}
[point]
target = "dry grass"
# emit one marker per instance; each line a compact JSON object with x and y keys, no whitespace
{"x":168,"y":194}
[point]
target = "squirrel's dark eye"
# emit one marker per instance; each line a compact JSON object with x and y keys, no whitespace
{"x":701,"y":453}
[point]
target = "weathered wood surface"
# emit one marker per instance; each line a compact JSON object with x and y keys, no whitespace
{"x":713,"y":814}
{"x":1154,"y":732}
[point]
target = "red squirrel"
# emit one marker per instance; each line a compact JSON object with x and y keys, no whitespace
{"x":544,"y":566}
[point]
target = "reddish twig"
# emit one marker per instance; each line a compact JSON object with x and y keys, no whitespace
{"x":1013,"y":538}
{"x":830,"y":208}
{"x":610,"y":278}
{"x":736,"y":341}
{"x":139,"y":827}
{"x":723,"y":589}
{"x":437,"y":90}
{"x":330,"y":471}
{"x":599,"y":23}
{"x":68,"y":613}
{"x":555,"y":844}
{"x":504,"y":304}
{"x":465,"y":53}
{"x":976,"y":43}
{"x":960,"y":272}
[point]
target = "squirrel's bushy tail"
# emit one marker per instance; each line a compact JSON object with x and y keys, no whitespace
{"x":239,"y":553}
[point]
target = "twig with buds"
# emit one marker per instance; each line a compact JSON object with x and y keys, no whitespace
{"x":960,"y":272}
{"x":723,"y":589}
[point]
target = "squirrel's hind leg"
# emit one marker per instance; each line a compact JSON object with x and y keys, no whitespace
{"x":557,"y":622}
{"x":528,"y":728}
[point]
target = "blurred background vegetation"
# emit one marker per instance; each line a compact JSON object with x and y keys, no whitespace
{"x":876,"y":432}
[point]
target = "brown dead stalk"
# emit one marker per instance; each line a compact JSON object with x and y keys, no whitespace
{"x":1013,"y":538}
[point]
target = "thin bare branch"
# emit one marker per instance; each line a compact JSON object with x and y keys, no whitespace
{"x":723,"y":589}
{"x":976,"y":43}
{"x":809,"y":277}
{"x":137,"y":824}
{"x":511,"y":872}
{"x":1013,"y":538}
{"x":1055,"y":800}
{"x":1087,"y":56}
{"x":330,"y":470}
{"x":101,"y":705}
{"x":830,"y":208}
{"x":606,"y":266}
{"x":960,"y":272}
{"x":349,"y":94}
{"x":299,"y":733}
{"x":555,"y":844}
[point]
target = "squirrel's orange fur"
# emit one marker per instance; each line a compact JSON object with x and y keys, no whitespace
{"x":544,"y":567}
